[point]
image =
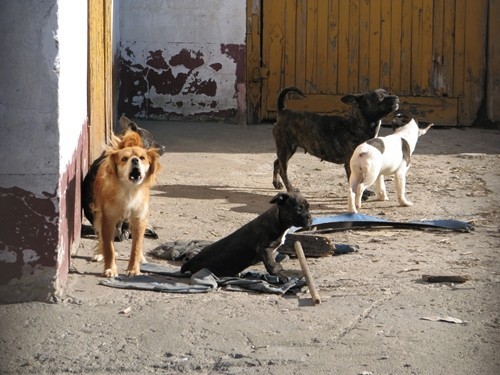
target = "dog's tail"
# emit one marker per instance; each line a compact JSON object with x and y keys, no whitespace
{"x":284,"y":93}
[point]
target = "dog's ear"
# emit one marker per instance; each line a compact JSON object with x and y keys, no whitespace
{"x":422,"y":131}
{"x":111,"y":167}
{"x":154,"y":163}
{"x":123,"y":122}
{"x":115,"y":141}
{"x":133,"y":126}
{"x":280,"y":199}
{"x":130,"y":139}
{"x":349,"y":99}
{"x":127,"y":124}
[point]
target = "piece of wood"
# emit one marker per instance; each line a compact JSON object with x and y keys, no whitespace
{"x":290,"y":46}
{"x":406,"y":48}
{"x":385,"y":46}
{"x":395,"y":51}
{"x":316,"y":246}
{"x":426,"y":46}
{"x":307,"y":274}
{"x":126,"y":310}
{"x":445,"y":278}
{"x":364,"y":52}
{"x":353,"y":47}
{"x":311,"y":46}
{"x":333,"y":41}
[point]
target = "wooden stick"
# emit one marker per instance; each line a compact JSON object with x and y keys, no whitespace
{"x":446,"y":278}
{"x":303,"y":264}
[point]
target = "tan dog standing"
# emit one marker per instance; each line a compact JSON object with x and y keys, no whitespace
{"x":121,"y":192}
{"x":131,"y":135}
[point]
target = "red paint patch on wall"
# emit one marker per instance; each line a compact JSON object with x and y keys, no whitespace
{"x":200,"y":87}
{"x":166,"y":83}
{"x":156,"y":60}
{"x":32,"y":225}
{"x":237,"y":52}
{"x":189,"y":59}
{"x":166,"y":86}
{"x":216,"y":66}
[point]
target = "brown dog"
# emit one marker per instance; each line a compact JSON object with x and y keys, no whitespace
{"x":121,"y":192}
{"x":131,"y":135}
{"x":129,"y":138}
{"x":330,"y":138}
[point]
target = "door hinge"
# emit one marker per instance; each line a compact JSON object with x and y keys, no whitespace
{"x":260,"y":73}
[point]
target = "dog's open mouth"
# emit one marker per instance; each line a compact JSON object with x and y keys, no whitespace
{"x":135,"y":175}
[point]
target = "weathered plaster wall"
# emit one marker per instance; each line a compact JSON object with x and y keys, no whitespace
{"x":72,"y":124}
{"x":28,"y":96}
{"x":183,"y":58}
{"x":42,"y":122}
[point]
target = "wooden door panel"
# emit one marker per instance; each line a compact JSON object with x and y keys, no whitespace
{"x":429,"y":52}
{"x":99,"y":76}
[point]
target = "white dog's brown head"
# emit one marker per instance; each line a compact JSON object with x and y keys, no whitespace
{"x":134,"y":165}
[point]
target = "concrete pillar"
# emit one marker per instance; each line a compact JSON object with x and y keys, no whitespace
{"x":43,"y":127}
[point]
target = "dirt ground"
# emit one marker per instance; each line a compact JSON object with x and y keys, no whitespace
{"x":215,"y":178}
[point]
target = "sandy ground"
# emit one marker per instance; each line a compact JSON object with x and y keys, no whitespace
{"x":217,"y":177}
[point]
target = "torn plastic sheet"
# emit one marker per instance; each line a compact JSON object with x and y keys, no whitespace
{"x":325,"y":224}
{"x":170,"y":280}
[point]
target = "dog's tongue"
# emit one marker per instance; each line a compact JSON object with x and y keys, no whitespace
{"x":135,"y":175}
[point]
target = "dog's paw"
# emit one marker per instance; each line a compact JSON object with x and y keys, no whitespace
{"x":406,"y":203}
{"x":150,"y":233}
{"x":367,"y":194}
{"x":352,"y":208}
{"x":277,"y":185}
{"x":124,"y":235}
{"x":382,"y":197}
{"x":97,"y":258}
{"x":110,"y":272}
{"x":282,"y":276}
{"x":133,"y":272}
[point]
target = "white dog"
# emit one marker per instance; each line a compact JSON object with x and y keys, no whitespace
{"x":384,"y":156}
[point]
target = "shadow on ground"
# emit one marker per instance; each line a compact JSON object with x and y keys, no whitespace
{"x":211,"y":137}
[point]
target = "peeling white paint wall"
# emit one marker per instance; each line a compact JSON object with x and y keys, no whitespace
{"x":182,"y":58}
{"x":72,"y":63}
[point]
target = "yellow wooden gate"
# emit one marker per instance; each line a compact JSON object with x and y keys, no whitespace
{"x":432,"y":53}
{"x":100,"y":76}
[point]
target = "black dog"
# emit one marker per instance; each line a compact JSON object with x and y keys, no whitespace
{"x":252,"y":243}
{"x":122,"y":231}
{"x":330,"y":138}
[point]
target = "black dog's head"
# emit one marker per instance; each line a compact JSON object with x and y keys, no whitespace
{"x":401,"y":119}
{"x":372,"y":106}
{"x":293,"y":210}
{"x":147,"y":137}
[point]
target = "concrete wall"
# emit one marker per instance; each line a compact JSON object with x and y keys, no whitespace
{"x":43,"y":111}
{"x":182,"y":59}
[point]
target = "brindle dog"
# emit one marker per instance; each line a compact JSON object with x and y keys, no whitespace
{"x":330,"y":138}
